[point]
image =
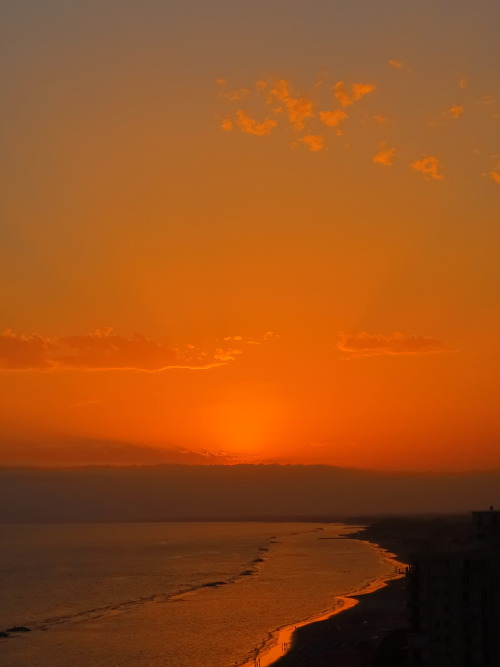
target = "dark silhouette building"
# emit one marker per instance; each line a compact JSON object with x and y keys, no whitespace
{"x":487,"y":527}
{"x":454,"y":600}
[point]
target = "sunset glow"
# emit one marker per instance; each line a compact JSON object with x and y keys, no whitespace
{"x":223,"y":247}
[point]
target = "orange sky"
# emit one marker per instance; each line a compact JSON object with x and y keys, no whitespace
{"x":251,"y":232}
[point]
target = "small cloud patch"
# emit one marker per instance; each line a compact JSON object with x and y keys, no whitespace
{"x":367,"y":345}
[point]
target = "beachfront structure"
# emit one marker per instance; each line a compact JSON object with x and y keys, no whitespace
{"x":487,"y":527}
{"x":454,"y":601}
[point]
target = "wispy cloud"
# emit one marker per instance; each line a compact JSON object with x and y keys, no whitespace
{"x":341,"y":94}
{"x":70,"y":450}
{"x":282,"y":109}
{"x":298,"y":108}
{"x":251,"y":126}
{"x":359,"y":90}
{"x":347,"y":95}
{"x":314,"y":142}
{"x":236,"y":95}
{"x":429,"y":165}
{"x":397,"y":64}
{"x":485,"y":102}
{"x":494,"y":174}
{"x":269,"y":335}
{"x":105,"y":350}
{"x":455,"y":111}
{"x":380,"y":120}
{"x":332,"y":118}
{"x":227,"y":125}
{"x":224,"y":355}
{"x":367,"y":345}
{"x":384,"y":156}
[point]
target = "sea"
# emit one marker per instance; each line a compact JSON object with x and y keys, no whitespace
{"x":171,"y":594}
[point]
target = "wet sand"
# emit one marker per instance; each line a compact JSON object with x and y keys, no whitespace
{"x":372,"y":631}
{"x":349,"y":633}
{"x":351,"y":638}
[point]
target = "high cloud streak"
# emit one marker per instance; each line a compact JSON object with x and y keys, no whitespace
{"x":104,"y":350}
{"x":397,"y":64}
{"x":384,"y":156}
{"x":251,"y":126}
{"x":332,"y":118}
{"x":346,"y":96}
{"x":367,"y":345}
{"x":298,"y":108}
{"x":429,"y":166}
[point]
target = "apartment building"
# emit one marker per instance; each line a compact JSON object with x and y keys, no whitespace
{"x":454,"y":600}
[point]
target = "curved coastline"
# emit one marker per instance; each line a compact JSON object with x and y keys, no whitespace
{"x":145,"y":614}
{"x":279,"y":641}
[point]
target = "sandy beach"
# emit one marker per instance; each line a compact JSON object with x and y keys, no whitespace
{"x":351,"y":632}
{"x":350,"y":638}
{"x":368,"y":629}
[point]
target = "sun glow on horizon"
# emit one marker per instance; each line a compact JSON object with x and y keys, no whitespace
{"x":246,"y":427}
{"x":180,"y":194}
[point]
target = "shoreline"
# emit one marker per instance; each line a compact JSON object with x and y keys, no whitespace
{"x":280,"y":641}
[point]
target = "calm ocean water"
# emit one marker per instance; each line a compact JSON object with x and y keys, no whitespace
{"x":170,"y":594}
